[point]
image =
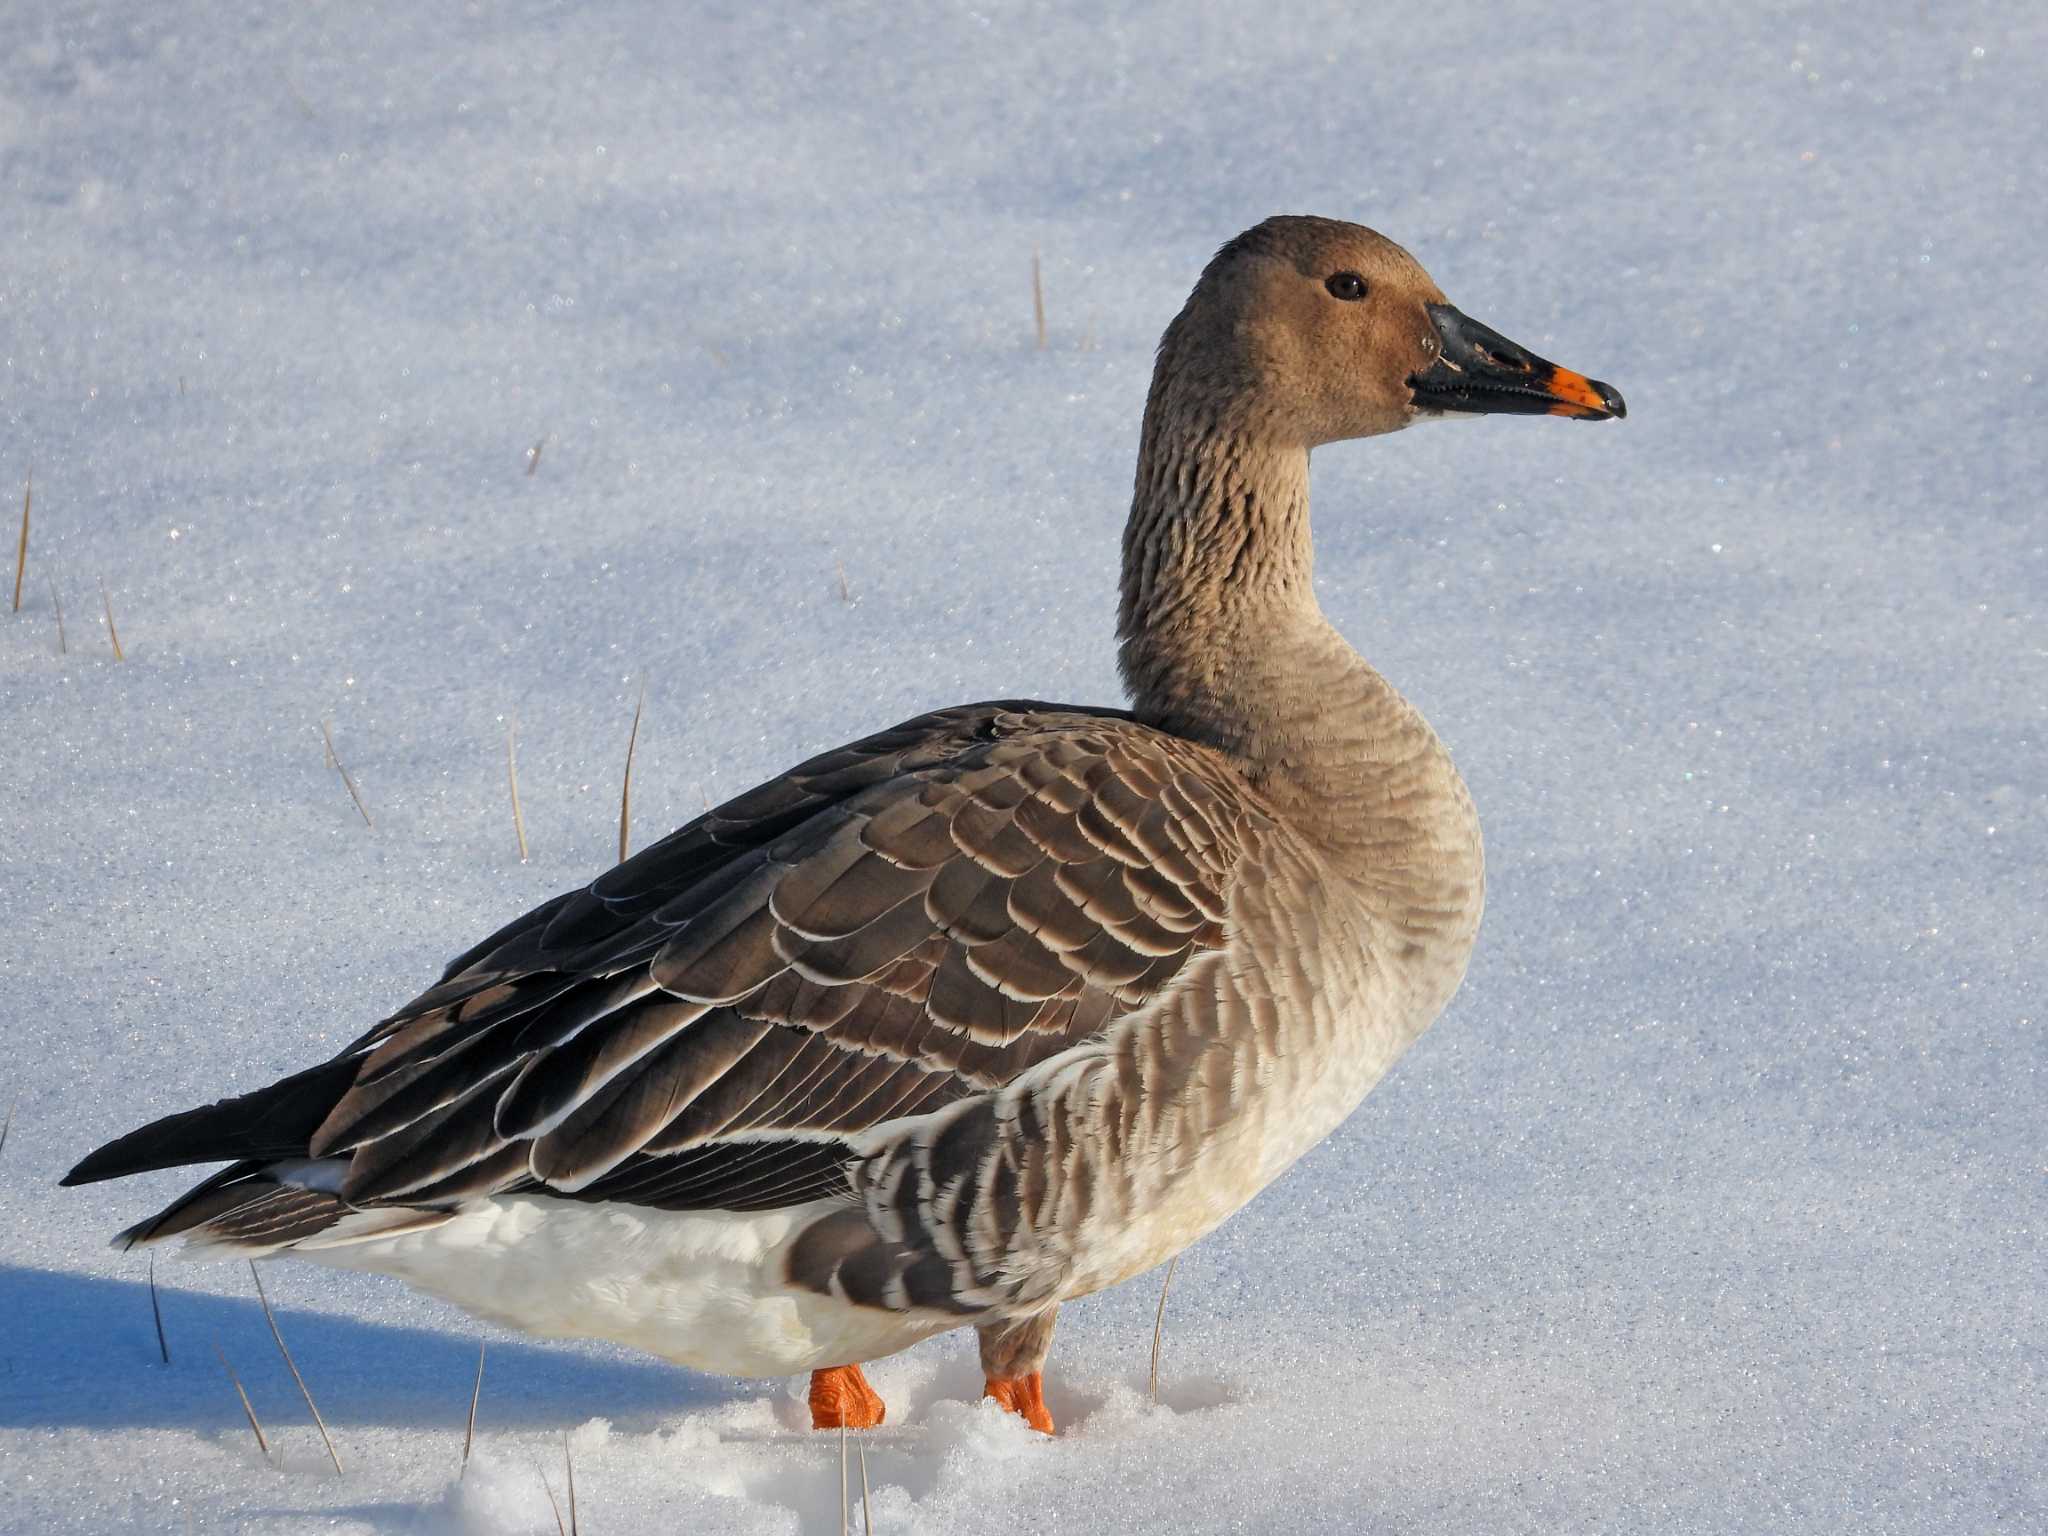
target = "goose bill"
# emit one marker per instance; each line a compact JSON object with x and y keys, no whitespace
{"x":1478,"y":371}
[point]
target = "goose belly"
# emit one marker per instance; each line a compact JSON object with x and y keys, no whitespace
{"x":704,"y":1289}
{"x":1279,"y":1073}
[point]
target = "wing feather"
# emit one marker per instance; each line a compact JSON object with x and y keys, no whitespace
{"x":627,"y":1111}
{"x":553,"y":1082}
{"x":887,"y":928}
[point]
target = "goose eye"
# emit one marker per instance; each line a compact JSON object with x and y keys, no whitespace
{"x":1346,"y":285}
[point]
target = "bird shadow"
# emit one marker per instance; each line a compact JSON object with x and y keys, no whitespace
{"x":81,"y":1351}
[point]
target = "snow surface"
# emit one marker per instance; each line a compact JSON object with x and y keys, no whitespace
{"x":1715,"y":1202}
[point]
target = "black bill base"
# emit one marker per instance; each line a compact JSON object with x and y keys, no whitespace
{"x":1478,"y":371}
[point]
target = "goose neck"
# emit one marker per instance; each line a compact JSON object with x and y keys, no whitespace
{"x":1223,"y":642}
{"x":1218,"y":621}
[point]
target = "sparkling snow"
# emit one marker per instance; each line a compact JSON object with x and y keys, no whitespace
{"x":1715,"y":1202}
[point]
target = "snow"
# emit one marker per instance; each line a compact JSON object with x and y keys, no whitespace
{"x":1715,"y":1202}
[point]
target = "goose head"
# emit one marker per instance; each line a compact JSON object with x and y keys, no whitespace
{"x":1317,"y":330}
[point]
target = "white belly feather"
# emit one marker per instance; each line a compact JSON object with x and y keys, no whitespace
{"x":702,"y":1288}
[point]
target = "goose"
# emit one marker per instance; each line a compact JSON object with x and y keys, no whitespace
{"x":980,"y":1014}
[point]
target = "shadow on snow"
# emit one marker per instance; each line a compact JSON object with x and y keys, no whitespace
{"x":79,"y":1351}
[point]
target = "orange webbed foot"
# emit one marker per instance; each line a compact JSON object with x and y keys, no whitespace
{"x":842,"y":1399}
{"x":1023,"y":1396}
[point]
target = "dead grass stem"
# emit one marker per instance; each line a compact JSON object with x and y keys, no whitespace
{"x":291,"y":1365}
{"x":57,"y":603}
{"x":1159,"y":1323}
{"x":21,"y":550}
{"x":626,"y":785}
{"x":113,"y":634}
{"x":512,"y":778}
{"x":157,"y":1314}
{"x":548,"y":1488}
{"x":248,"y":1410}
{"x":348,"y":782}
{"x":475,"y":1393}
{"x":1037,"y":299}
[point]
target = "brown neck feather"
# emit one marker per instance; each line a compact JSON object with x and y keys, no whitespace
{"x":1223,"y":642}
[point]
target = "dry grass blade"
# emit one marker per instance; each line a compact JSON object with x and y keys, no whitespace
{"x":157,"y":1313}
{"x":548,"y":1488}
{"x":476,"y":1392}
{"x":512,"y":777}
{"x":235,"y":1381}
{"x":334,"y":759}
{"x":569,"y":1467}
{"x":57,"y":603}
{"x":533,"y":455}
{"x":845,"y":588}
{"x":21,"y":551}
{"x":311,"y":1407}
{"x":7,"y":1124}
{"x":626,"y":786}
{"x":867,"y":1516}
{"x":1037,"y":300}
{"x":113,"y":634}
{"x":1159,"y":1323}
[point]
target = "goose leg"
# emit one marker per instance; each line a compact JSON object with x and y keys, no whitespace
{"x":1013,"y":1365}
{"x":842,"y":1399}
